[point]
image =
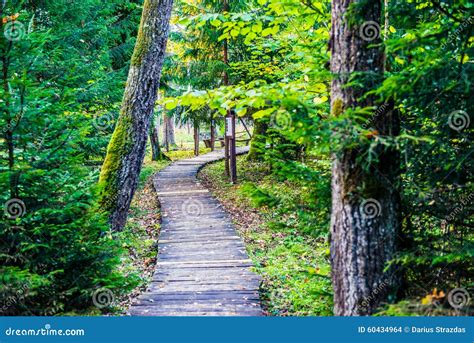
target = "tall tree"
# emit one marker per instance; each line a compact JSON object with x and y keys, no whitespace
{"x":126,"y":150}
{"x":365,"y":199}
{"x":168,"y":131}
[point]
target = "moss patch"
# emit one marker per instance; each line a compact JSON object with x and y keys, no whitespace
{"x":118,"y":148}
{"x":337,"y":108}
{"x":143,"y":38}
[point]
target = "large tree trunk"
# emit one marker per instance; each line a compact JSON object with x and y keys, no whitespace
{"x":365,"y":203}
{"x":259,"y":139}
{"x":168,"y":132}
{"x":126,"y":150}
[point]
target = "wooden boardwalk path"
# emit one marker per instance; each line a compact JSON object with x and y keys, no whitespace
{"x":202,"y":268}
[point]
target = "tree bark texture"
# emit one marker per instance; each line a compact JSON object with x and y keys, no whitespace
{"x":168,"y":132}
{"x":126,"y":150}
{"x":365,"y":201}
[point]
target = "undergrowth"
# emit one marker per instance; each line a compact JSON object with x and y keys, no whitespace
{"x":293,"y":263}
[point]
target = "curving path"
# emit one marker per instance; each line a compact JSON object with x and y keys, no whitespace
{"x":202,"y":268}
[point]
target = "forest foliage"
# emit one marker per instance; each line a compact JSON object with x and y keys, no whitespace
{"x":64,"y":69}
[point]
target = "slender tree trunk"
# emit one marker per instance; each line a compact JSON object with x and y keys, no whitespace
{"x":168,"y":132}
{"x":259,"y":139}
{"x":196,"y":139}
{"x":365,"y":203}
{"x":126,"y":150}
{"x":156,"y":153}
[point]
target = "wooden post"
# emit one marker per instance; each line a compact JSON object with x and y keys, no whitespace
{"x":213,"y":132}
{"x":232,"y":151}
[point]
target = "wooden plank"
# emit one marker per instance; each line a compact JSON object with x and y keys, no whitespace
{"x":194,"y":306}
{"x":200,"y":239}
{"x":206,"y":262}
{"x":212,"y":278}
{"x":169,"y":287}
{"x":196,"y":191}
{"x":210,"y":294}
{"x":141,"y":311}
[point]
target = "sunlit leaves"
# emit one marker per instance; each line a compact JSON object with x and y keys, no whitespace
{"x":264,"y":113}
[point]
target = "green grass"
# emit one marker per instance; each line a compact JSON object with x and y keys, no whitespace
{"x":294,"y":265}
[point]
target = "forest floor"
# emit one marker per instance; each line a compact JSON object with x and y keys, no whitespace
{"x":294,"y":266}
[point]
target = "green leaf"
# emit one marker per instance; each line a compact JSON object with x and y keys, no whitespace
{"x":264,"y":113}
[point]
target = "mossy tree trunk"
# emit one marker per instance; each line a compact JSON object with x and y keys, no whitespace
{"x":258,"y":142}
{"x":365,"y":199}
{"x":126,"y":150}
